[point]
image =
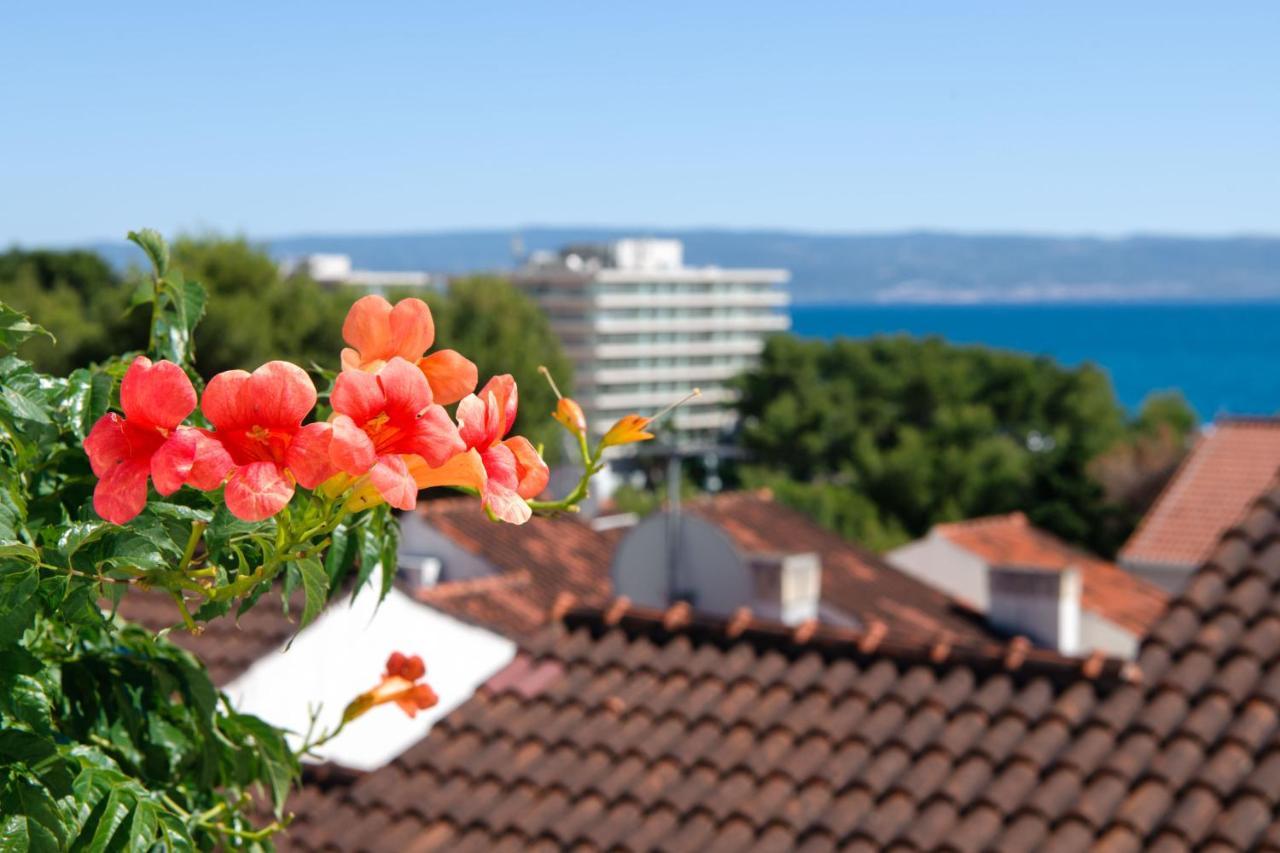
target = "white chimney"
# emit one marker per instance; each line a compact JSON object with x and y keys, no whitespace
{"x":786,"y":585}
{"x":1041,"y":604}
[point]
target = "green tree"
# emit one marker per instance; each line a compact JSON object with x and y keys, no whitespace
{"x":79,"y":299}
{"x":883,"y":438}
{"x":255,"y":314}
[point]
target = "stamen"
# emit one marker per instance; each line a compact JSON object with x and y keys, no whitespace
{"x":542,"y":368}
{"x":696,"y":392}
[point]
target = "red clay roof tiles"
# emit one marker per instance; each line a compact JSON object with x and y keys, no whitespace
{"x":658,"y":735}
{"x":1011,"y":540}
{"x":1232,"y":463}
{"x":548,"y":557}
{"x":730,"y":743}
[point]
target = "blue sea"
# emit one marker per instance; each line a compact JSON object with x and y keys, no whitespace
{"x":1224,"y":358}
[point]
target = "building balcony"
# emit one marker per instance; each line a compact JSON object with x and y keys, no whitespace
{"x":584,"y":354}
{"x":694,"y":374}
{"x":758,"y":299}
{"x":693,"y":275}
{"x":649,"y":401}
{"x":754,"y":323}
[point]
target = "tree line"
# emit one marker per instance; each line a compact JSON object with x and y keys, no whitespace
{"x":255,"y":314}
{"x":882,"y":438}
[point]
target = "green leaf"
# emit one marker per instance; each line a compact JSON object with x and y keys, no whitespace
{"x":370,"y":551}
{"x":31,"y":818}
{"x":78,"y":534}
{"x":315,"y":585}
{"x":278,"y":760}
{"x":178,"y":511}
{"x":24,"y":699}
{"x":143,"y":826}
{"x":86,"y":397}
{"x":182,"y":304}
{"x":107,"y":819}
{"x":143,"y":294}
{"x":16,"y":328}
{"x":389,"y":559}
{"x":26,"y":747}
{"x":340,"y":554}
{"x":155,"y":247}
{"x":18,"y":603}
{"x":18,"y":551}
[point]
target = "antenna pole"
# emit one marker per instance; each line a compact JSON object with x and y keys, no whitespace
{"x":673,"y":525}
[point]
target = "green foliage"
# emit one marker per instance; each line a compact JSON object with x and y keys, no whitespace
{"x":111,"y":737}
{"x":79,"y":299}
{"x":883,"y":438}
{"x":255,"y":315}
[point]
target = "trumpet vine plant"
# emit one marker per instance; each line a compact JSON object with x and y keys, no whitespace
{"x":133,"y":477}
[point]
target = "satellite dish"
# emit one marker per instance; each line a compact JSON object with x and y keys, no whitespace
{"x":672,"y":557}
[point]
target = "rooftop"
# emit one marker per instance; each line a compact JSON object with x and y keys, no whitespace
{"x":624,"y":729}
{"x":549,"y":556}
{"x":1011,"y":540}
{"x":1231,"y":464}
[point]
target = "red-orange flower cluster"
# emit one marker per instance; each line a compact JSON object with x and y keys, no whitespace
{"x":389,"y":434}
{"x":400,"y":684}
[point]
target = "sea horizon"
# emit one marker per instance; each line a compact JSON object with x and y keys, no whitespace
{"x":1218,"y":354}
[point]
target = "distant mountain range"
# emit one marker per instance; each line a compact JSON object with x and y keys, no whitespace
{"x":921,"y":267}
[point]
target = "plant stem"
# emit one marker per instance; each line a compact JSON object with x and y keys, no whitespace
{"x":197,"y":531}
{"x":187,"y":621}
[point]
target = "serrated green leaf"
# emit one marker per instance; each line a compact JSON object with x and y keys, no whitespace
{"x":85,"y":398}
{"x":182,"y":305}
{"x":315,"y":585}
{"x":74,"y":536}
{"x":20,"y":551}
{"x":143,"y":826}
{"x":19,"y":583}
{"x":178,"y":511}
{"x":24,"y":699}
{"x":369,"y":553}
{"x":340,"y":554}
{"x":389,"y":557}
{"x":16,"y":328}
{"x":32,"y":821}
{"x":26,"y":747}
{"x":107,"y":820}
{"x":155,"y":247}
{"x":18,"y":407}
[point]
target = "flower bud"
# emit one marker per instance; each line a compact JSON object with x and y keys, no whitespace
{"x":570,"y":416}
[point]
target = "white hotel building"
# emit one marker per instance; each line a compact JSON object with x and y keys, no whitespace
{"x":642,"y":329}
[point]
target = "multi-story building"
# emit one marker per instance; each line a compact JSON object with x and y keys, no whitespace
{"x":334,"y":270}
{"x":642,"y":329}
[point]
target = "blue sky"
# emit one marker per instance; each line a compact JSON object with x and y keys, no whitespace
{"x":275,"y":119}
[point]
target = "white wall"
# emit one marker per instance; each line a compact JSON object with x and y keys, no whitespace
{"x":940,"y":563}
{"x":1043,"y":605}
{"x":343,"y":653}
{"x":1097,"y":633}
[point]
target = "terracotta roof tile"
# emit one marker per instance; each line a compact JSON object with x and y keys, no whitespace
{"x":642,"y":732}
{"x":1011,"y":540}
{"x":547,"y":557}
{"x":854,"y":579}
{"x":730,"y":743}
{"x":1231,"y":464}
